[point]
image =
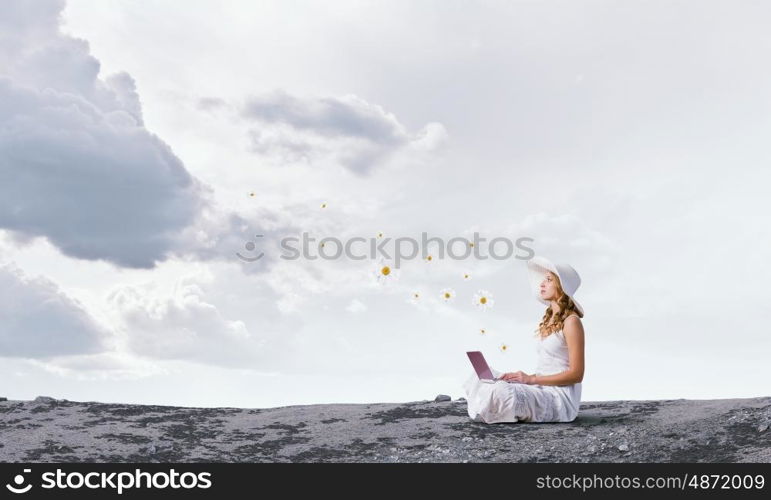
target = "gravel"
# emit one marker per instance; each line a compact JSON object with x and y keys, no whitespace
{"x":56,"y":430}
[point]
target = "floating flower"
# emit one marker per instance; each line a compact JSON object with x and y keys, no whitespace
{"x":323,"y":205}
{"x":416,"y":297}
{"x":503,"y":347}
{"x":466,"y":276}
{"x":429,"y":258}
{"x":483,"y":299}
{"x":385,"y":272}
{"x":447,"y":294}
{"x":252,"y":194}
{"x":482,"y":331}
{"x":471,"y":244}
{"x":380,"y":234}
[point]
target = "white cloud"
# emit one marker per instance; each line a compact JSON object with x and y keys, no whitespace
{"x":39,"y":320}
{"x":103,"y":366}
{"x":183,"y":325}
{"x":356,"y":133}
{"x":356,"y":306}
{"x":86,"y":173}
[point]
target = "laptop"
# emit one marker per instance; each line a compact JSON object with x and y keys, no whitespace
{"x":481,"y":367}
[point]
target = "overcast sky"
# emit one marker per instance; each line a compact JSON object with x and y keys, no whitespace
{"x":142,"y":146}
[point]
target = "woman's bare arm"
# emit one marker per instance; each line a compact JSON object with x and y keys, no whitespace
{"x":574,"y":336}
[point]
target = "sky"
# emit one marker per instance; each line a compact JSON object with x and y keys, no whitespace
{"x":143,"y":147}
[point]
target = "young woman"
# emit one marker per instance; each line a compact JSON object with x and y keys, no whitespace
{"x":553,"y":393}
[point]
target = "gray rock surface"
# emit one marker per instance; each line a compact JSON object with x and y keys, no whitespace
{"x":52,"y":430}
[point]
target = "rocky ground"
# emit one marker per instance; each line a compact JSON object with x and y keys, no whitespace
{"x":51,"y":430}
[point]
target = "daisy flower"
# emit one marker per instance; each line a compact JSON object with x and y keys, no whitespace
{"x":447,"y":294}
{"x":415,"y":297}
{"x":466,"y":276}
{"x":429,"y":258}
{"x":385,"y":272}
{"x":323,"y":205}
{"x":503,"y":347}
{"x":482,"y":331}
{"x":380,"y":234}
{"x":483,"y":300}
{"x":252,"y":194}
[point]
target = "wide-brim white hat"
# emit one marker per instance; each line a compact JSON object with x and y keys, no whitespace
{"x":569,"y":278}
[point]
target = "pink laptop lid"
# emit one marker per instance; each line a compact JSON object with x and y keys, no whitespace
{"x":480,"y":365}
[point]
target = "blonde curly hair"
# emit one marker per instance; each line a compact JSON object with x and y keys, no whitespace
{"x":551,"y":323}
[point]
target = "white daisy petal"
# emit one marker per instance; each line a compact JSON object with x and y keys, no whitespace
{"x":447,"y":294}
{"x":483,"y":300}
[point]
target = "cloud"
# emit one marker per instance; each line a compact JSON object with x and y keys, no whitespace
{"x":355,"y":133}
{"x":210,"y":103}
{"x":356,"y":306}
{"x":108,"y":365}
{"x":348,"y":116}
{"x":183,"y":324}
{"x":82,"y":170}
{"x":38,"y":320}
{"x":557,"y":236}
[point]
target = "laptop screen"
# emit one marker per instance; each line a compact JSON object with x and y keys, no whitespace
{"x":480,"y":365}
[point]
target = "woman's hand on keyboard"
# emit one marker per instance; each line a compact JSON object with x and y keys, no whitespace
{"x":517,"y":377}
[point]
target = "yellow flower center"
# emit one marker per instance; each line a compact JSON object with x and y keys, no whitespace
{"x":385,"y":271}
{"x":483,"y":300}
{"x":446,"y":295}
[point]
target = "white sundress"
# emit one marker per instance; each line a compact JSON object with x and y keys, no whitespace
{"x":503,"y":401}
